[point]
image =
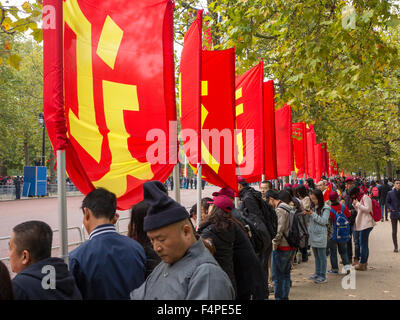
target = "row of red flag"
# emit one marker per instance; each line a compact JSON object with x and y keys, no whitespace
{"x":109,"y":102}
{"x":213,"y":98}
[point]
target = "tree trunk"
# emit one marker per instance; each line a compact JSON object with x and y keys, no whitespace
{"x":389,"y":169}
{"x":378,"y":171}
{"x":51,"y":163}
{"x":26,"y":151}
{"x":3,"y":170}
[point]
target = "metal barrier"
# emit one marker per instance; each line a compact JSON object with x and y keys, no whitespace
{"x":8,"y":192}
{"x":81,"y":232}
{"x":55,"y":247}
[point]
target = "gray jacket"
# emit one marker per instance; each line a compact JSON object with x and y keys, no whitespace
{"x":196,"y":276}
{"x":318,"y":228}
{"x":282,"y":212}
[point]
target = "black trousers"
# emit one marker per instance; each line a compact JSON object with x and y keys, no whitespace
{"x":394,"y":231}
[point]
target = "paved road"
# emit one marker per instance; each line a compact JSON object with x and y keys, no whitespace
{"x":381,"y":281}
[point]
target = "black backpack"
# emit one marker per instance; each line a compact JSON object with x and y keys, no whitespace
{"x":257,"y":231}
{"x":294,"y":236}
{"x":270,"y":217}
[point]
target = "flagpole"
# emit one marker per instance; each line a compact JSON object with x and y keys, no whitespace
{"x":177,"y":185}
{"x":62,"y":205}
{"x":199,"y":189}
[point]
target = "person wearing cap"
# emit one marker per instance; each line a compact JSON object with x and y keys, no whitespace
{"x":187,"y":271}
{"x":234,"y":252}
{"x":334,"y":245}
{"x":109,"y":265}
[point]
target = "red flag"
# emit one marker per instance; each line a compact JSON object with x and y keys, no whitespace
{"x":270,"y":166}
{"x":318,"y":162}
{"x":327,"y":191}
{"x":299,"y":148}
{"x":310,"y":151}
{"x":190,"y":89}
{"x":218,"y":118}
{"x":284,"y":148}
{"x":249,"y":106}
{"x":118,"y":74}
{"x":325,"y":159}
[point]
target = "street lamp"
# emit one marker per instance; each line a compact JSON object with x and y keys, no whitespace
{"x":41,"y":121}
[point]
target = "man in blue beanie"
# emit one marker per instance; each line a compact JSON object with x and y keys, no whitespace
{"x":188,"y":271}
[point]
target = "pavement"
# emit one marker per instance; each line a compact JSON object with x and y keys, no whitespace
{"x":381,"y":281}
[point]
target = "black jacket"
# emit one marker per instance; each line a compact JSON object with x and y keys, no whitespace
{"x":152,"y":258}
{"x":249,"y":198}
{"x":224,"y":244}
{"x":383,"y":191}
{"x":28,"y":283}
{"x":249,"y":276}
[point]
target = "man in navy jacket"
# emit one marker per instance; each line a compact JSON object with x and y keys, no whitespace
{"x":39,"y":277}
{"x":393,"y":206}
{"x":109,"y":265}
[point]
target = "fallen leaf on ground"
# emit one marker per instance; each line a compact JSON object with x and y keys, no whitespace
{"x":386,"y":291}
{"x":352,"y":295}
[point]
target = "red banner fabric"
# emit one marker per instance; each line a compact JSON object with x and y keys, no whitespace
{"x":249,"y":124}
{"x":284,"y":148}
{"x":270,"y":165}
{"x":190,"y":89}
{"x":118,"y":74}
{"x":310,"y":151}
{"x":299,"y":148}
{"x":318,"y":162}
{"x":218,"y":118}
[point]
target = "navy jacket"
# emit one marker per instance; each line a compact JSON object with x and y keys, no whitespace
{"x":27,"y":284}
{"x":393,"y":203}
{"x":108,"y":265}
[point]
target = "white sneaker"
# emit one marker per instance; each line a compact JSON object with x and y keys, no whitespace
{"x":346,"y":269}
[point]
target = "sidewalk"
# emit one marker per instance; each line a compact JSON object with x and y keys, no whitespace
{"x":380,"y":282}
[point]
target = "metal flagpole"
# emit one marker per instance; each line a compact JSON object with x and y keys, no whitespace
{"x":177,"y":185}
{"x":199,"y":188}
{"x":62,"y":205}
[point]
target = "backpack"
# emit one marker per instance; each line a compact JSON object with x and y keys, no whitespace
{"x":257,"y":231}
{"x":294,"y":236}
{"x":376,"y":211}
{"x":375,"y":192}
{"x":341,"y":226}
{"x":270,"y":217}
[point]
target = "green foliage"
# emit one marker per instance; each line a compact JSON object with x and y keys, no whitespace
{"x":20,"y":105}
{"x":340,"y":76}
{"x":14,"y":22}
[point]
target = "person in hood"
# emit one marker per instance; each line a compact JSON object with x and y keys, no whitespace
{"x":282,"y":253}
{"x":109,"y":265}
{"x":39,"y":276}
{"x":187,"y":271}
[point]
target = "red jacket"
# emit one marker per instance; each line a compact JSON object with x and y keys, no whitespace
{"x":338,"y":209}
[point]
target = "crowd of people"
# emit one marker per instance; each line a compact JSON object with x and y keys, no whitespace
{"x":244,"y":253}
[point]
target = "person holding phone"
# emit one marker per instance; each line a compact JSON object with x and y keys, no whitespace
{"x":319,"y":218}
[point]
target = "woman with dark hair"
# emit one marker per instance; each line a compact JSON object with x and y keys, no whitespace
{"x":233,"y":250}
{"x":363,"y":225}
{"x":6,"y":289}
{"x":319,"y":218}
{"x":310,"y":183}
{"x":135,"y":231}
